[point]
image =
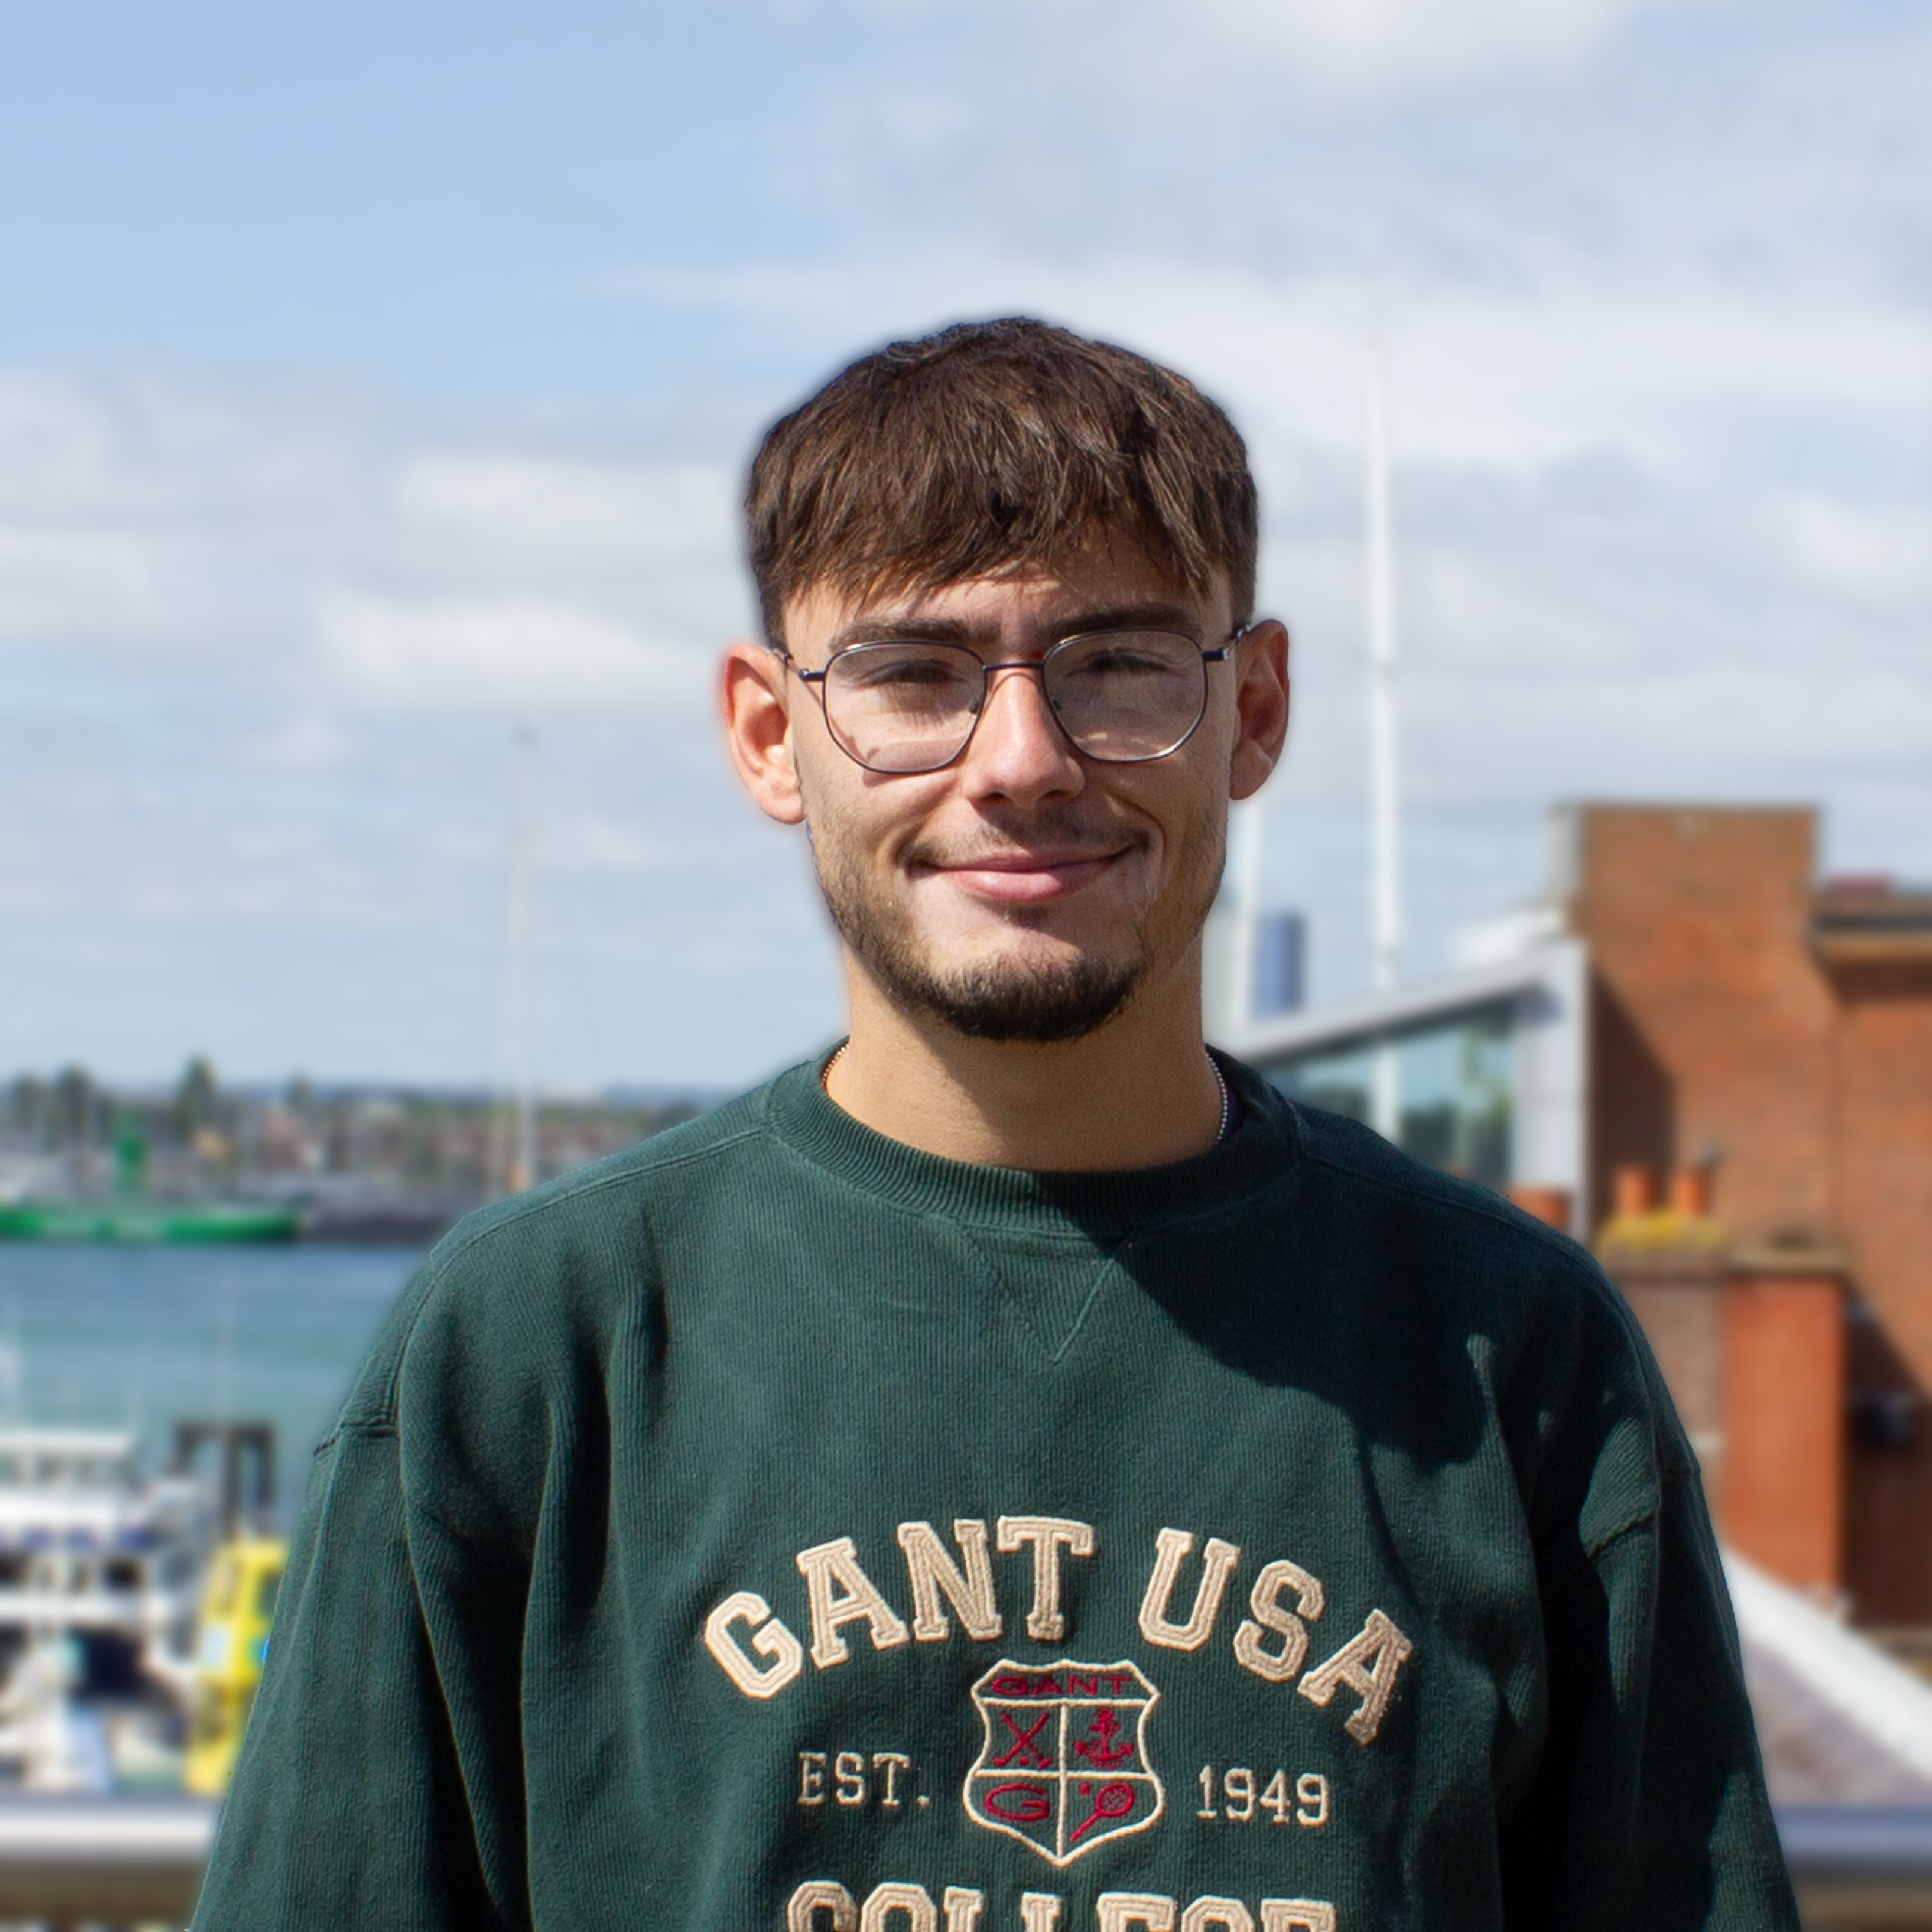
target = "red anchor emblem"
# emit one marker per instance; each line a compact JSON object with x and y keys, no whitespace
{"x":1098,"y":1747}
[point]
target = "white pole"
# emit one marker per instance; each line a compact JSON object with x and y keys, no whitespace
{"x":1381,"y":680}
{"x":522,"y":1015}
{"x":1247,"y":910}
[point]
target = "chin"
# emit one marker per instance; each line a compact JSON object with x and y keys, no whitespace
{"x":1004,"y":976}
{"x":1035,"y":995}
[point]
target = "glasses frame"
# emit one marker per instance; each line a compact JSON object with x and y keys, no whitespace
{"x":814,"y":682}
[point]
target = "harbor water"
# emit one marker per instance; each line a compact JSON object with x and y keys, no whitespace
{"x":138,"y":1337}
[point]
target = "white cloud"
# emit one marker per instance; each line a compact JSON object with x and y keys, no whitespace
{"x":84,"y":583}
{"x":1876,"y":558}
{"x":1372,"y":44}
{"x":355,"y":554}
{"x":508,"y":657}
{"x":576,"y":512}
{"x":299,"y":746}
{"x":1353,"y":46}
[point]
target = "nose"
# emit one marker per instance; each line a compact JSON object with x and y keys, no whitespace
{"x":1018,"y":751}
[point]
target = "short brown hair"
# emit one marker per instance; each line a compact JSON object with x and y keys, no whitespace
{"x":990,"y":445}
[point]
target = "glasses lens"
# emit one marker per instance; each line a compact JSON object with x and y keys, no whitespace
{"x":1123,"y":695}
{"x":902,"y":707}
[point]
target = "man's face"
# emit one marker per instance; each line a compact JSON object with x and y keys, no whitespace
{"x":1025,"y":893}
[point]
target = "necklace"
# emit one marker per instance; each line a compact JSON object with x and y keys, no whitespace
{"x":1213,"y":1067}
{"x":1227,"y":1100}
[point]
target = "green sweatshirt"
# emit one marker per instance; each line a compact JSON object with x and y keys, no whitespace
{"x":777,"y":1529}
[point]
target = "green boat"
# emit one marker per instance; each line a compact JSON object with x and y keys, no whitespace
{"x":145,"y":1221}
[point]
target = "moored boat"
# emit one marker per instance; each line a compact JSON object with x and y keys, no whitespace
{"x":142,"y":1221}
{"x":89,"y":1547}
{"x":99,"y":1577}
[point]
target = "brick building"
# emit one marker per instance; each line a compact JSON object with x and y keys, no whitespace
{"x":1720,"y":1069}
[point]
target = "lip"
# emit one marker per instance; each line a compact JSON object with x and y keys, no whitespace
{"x":1027,"y":878}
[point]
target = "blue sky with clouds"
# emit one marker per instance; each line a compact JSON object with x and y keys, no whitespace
{"x":372,"y":379}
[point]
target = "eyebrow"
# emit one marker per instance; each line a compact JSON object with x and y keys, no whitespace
{"x":1148,"y":617}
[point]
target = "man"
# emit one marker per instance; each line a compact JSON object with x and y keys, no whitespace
{"x":1016,"y":1473}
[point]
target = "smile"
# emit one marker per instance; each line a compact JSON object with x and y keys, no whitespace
{"x":1026,"y":878}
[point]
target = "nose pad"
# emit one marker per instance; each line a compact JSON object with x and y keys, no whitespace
{"x":1000,"y":673}
{"x":1034,"y":674}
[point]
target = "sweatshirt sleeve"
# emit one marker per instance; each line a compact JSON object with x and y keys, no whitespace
{"x":349,"y":1804}
{"x":1648,"y":1804}
{"x":380,"y":1784}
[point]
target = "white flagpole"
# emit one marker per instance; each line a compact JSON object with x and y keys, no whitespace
{"x":522,"y":923}
{"x":1387,"y":899}
{"x":1247,"y":909}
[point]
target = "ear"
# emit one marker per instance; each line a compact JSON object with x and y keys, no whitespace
{"x":757,"y":729}
{"x":1261,"y":707}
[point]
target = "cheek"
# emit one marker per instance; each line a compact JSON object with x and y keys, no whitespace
{"x":854,"y":818}
{"x":1189,"y":808}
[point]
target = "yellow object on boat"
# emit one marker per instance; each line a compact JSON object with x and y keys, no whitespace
{"x":237,"y":1608}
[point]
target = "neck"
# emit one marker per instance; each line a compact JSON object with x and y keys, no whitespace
{"x":1138,"y":1092}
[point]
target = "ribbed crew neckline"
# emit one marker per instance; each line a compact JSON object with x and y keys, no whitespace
{"x":1256,"y":1155}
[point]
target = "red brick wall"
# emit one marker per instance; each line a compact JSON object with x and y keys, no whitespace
{"x":1884,"y":1156}
{"x":1784,"y":1429}
{"x":1712,"y":1033}
{"x":1883,"y":1177}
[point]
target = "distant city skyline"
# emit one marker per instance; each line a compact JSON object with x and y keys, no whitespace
{"x":373,"y":382}
{"x":372,"y":1160}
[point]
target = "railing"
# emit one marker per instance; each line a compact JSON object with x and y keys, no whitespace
{"x":1857,"y":1866}
{"x":68,"y":1860}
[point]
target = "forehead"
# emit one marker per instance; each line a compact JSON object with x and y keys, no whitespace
{"x":1110,"y":579}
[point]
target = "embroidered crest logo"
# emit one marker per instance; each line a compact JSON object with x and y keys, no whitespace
{"x":1064,"y":1767}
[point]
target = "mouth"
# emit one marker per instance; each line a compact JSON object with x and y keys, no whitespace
{"x":1025,"y":877}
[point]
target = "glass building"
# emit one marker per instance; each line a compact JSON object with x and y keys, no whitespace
{"x":1479,"y":1073}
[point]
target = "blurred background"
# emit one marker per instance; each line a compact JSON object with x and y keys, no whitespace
{"x":376,"y":386}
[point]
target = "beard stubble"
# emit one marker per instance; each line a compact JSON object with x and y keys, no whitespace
{"x":1038,"y":1002}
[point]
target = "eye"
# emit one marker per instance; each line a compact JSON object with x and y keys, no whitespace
{"x":1124,"y":660}
{"x":1130,"y":657}
{"x":898,"y":670}
{"x":916,"y":670}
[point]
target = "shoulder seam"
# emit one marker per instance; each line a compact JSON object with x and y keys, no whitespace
{"x":1559,"y":1247}
{"x":1579,"y":1268}
{"x":439,"y":1267}
{"x":1557,"y":1244}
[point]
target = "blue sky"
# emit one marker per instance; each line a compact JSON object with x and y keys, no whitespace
{"x":372,"y":379}
{"x":427,"y":196}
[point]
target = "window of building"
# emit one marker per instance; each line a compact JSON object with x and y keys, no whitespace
{"x":1451,"y":1098}
{"x":1338,"y":1080}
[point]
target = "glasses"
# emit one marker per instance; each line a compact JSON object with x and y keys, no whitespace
{"x":912,"y":704}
